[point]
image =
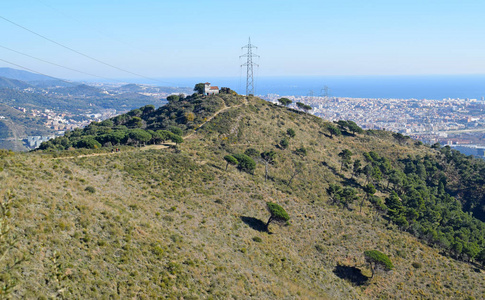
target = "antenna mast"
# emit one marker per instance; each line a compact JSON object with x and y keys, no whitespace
{"x":249,"y":64}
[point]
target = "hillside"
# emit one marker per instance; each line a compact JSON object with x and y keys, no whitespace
{"x":23,"y":75}
{"x":12,"y":83}
{"x":178,"y":221}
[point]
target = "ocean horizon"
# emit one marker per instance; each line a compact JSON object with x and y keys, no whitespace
{"x":399,"y":87}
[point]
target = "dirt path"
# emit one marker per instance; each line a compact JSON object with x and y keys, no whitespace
{"x":145,"y":148}
{"x":215,"y":115}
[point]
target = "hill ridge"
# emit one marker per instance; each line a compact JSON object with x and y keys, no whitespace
{"x":182,"y":222}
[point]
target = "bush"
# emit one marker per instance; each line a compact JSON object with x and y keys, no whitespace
{"x":245,"y":163}
{"x":90,"y":189}
{"x":251,"y":152}
{"x":284,"y":143}
{"x":290,"y":132}
{"x":173,"y":98}
{"x":88,"y":142}
{"x":176,"y":130}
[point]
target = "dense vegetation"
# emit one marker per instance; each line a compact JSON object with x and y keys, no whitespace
{"x":181,"y":222}
{"x":145,"y":125}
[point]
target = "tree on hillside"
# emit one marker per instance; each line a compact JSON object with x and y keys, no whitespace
{"x":285,"y":101}
{"x":231,"y":160}
{"x":268,"y":159}
{"x":342,"y":124}
{"x":347,"y":196}
{"x":303,"y":106}
{"x":177,"y":139}
{"x":199,"y":88}
{"x":135,"y":122}
{"x":298,"y":168}
{"x":147,"y":109}
{"x":369,"y":190}
{"x":400,"y":138}
{"x":333,"y":191}
{"x":356,"y":168}
{"x":173,"y":98}
{"x":251,"y":152}
{"x":245,"y":163}
{"x":354,"y":128}
{"x":189,"y":117}
{"x":368,"y":171}
{"x":88,"y":142}
{"x":278,"y":214}
{"x":333,"y":130}
{"x":377,"y":261}
{"x":346,"y":156}
{"x":176,"y":130}
{"x":139,"y":136}
{"x":307,"y":108}
{"x":164,"y":135}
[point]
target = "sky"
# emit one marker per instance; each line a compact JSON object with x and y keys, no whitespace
{"x":191,"y":38}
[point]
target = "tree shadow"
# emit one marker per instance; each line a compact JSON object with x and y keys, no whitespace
{"x":346,"y":133}
{"x":216,"y":166}
{"x":352,"y":274}
{"x":255,"y":224}
{"x":352,"y":182}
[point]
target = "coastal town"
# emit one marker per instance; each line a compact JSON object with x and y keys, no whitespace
{"x":454,"y":122}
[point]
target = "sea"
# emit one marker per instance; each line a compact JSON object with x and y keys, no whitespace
{"x":397,"y":87}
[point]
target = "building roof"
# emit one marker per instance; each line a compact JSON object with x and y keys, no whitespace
{"x":214,"y":88}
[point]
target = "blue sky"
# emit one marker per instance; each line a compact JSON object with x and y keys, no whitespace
{"x":190,"y":38}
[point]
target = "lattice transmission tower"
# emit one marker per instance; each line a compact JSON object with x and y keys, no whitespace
{"x":249,"y":67}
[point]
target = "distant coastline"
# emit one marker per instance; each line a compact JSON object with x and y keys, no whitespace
{"x":398,"y":87}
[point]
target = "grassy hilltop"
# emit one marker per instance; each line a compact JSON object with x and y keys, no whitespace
{"x":163,"y":219}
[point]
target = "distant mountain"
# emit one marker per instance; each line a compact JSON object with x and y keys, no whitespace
{"x":81,"y":90}
{"x":13,"y":83}
{"x":133,"y":88}
{"x":140,"y":88}
{"x":32,"y":78}
{"x":23,"y":75}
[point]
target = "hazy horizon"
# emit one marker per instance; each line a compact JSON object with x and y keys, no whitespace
{"x":69,"y":39}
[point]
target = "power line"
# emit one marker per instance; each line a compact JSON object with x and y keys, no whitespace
{"x":57,"y":65}
{"x":79,"y":53}
{"x":101,"y":33}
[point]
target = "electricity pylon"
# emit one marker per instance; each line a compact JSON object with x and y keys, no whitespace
{"x":249,"y":64}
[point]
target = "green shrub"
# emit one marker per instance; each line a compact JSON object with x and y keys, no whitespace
{"x":284,"y":143}
{"x":90,"y":189}
{"x":291,"y":132}
{"x":245,"y":163}
{"x":251,"y":152}
{"x":176,"y":130}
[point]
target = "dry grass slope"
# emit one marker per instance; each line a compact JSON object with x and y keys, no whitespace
{"x":174,"y":224}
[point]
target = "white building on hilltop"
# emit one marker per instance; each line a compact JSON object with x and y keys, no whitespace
{"x":210,"y":90}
